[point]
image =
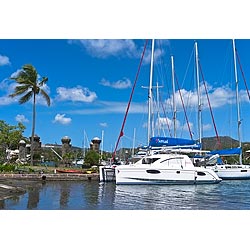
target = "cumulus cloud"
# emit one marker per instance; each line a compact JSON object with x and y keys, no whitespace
{"x":104,"y":48}
{"x":218,"y":97}
{"x":120,"y":84}
{"x":60,"y":118}
{"x":4,"y":60}
{"x":21,"y":118}
{"x":7,"y":88}
{"x":77,"y":94}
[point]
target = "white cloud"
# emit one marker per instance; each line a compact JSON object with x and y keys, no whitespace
{"x":7,"y":89}
{"x":5,"y":100}
{"x":21,"y":118}
{"x":120,"y":84}
{"x":218,"y":97}
{"x":112,"y":108}
{"x":60,"y":118}
{"x":77,"y":94}
{"x":104,"y":48}
{"x":16,"y":73}
{"x":4,"y":60}
{"x":103,"y":124}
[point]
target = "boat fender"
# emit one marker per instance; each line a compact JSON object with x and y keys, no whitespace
{"x":44,"y":177}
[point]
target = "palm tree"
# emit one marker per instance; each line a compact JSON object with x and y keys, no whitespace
{"x":29,"y":86}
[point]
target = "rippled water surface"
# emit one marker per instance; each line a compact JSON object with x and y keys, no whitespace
{"x":92,"y":195}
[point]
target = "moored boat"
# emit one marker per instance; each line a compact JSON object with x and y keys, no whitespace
{"x":165,"y":169}
{"x":70,"y":171}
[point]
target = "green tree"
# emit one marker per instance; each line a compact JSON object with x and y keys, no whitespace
{"x":10,"y":137}
{"x":29,"y":85}
{"x":91,"y":158}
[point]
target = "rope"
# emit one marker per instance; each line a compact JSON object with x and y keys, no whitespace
{"x":130,"y":99}
{"x":210,"y":108}
{"x":185,"y":113}
{"x":238,"y":58}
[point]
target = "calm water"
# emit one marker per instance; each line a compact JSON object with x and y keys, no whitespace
{"x":92,"y":195}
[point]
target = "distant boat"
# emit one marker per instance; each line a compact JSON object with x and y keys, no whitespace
{"x":70,"y":171}
{"x":233,"y":171}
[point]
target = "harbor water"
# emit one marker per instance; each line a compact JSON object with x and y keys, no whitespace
{"x":92,"y":195}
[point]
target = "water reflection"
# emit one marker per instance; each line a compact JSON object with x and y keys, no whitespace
{"x":64,"y":195}
{"x":92,"y":195}
{"x":33,"y":198}
{"x":106,"y":195}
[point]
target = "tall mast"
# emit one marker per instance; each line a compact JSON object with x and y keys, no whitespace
{"x":237,"y":99}
{"x":150,"y":92}
{"x":174,"y":104}
{"x":102,"y":143}
{"x":133,"y":148}
{"x":158,"y":107}
{"x":198,"y":92}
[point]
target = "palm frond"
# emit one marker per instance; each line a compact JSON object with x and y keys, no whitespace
{"x":19,"y":90}
{"x":26,"y":97}
{"x":43,"y":82}
{"x":31,"y":72}
{"x":46,"y":96}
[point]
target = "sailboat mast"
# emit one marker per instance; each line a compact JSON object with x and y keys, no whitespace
{"x":150,"y":90}
{"x":237,"y":99}
{"x":198,"y":91}
{"x":174,"y":104}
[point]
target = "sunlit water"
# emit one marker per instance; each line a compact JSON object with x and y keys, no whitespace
{"x":92,"y":195}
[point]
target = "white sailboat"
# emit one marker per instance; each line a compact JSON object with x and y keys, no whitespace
{"x":163,"y":167}
{"x":233,"y":171}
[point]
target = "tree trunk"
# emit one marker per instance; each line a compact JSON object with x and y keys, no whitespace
{"x":33,"y":131}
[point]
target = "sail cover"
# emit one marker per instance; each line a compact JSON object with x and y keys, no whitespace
{"x":173,"y":142}
{"x":225,"y":152}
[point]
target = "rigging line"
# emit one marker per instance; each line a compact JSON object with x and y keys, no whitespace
{"x":185,"y":113}
{"x":165,"y":115}
{"x":209,"y":104}
{"x":189,"y":62}
{"x":130,"y":99}
{"x":238,"y":58}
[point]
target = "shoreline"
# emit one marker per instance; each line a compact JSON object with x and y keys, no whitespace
{"x":52,"y":177}
{"x":12,"y":185}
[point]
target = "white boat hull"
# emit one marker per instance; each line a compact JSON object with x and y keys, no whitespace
{"x":232,"y":172}
{"x":137,"y":175}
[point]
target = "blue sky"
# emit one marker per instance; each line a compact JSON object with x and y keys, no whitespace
{"x":90,"y":82}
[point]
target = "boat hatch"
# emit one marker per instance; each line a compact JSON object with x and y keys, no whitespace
{"x":201,"y":173}
{"x":153,"y":171}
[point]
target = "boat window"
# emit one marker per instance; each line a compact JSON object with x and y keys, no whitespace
{"x":153,"y":171}
{"x":179,"y":159}
{"x":201,"y":173}
{"x":149,"y":160}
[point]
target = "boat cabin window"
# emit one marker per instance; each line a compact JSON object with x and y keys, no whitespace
{"x":174,"y":162}
{"x":178,"y":160}
{"x":149,"y":160}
